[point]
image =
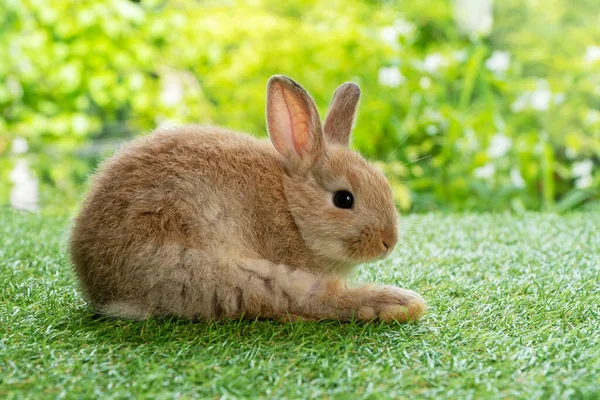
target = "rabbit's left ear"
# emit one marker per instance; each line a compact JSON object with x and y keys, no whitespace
{"x":342,"y":114}
{"x":294,"y":124}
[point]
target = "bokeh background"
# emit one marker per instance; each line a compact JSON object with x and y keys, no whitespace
{"x":467,"y":104}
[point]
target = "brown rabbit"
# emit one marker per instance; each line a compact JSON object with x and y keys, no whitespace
{"x":203,"y":222}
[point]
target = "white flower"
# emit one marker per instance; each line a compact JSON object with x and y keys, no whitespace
{"x":20,"y":145}
{"x":24,"y":194}
{"x":432,"y":114}
{"x":14,"y":87}
{"x":521,"y":102}
{"x":425,"y":83}
{"x":136,"y":81}
{"x":459,"y":55}
{"x":485,"y":172}
{"x":172,"y":89}
{"x":129,"y":11}
{"x":516,"y":178}
{"x":499,"y":62}
{"x":541,"y":98}
{"x":433,"y":62}
{"x":469,"y":140}
{"x":165,"y":123}
{"x":592,"y":54}
{"x":592,"y":117}
{"x":582,"y":172}
{"x":570,"y":153}
{"x":583,"y":168}
{"x":80,"y":124}
{"x":474,"y":17}
{"x":403,"y":27}
{"x":390,"y":77}
{"x":431,"y":130}
{"x":583,"y":182}
{"x":389,"y":34}
{"x":499,"y":145}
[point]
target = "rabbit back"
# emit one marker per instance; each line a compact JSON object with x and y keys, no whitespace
{"x":204,"y":189}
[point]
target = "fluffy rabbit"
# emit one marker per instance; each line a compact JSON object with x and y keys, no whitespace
{"x":202,"y":222}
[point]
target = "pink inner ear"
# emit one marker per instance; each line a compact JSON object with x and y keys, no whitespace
{"x":289,"y":121}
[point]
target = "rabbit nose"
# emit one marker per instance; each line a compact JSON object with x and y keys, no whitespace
{"x":389,"y":240}
{"x":386,"y":248}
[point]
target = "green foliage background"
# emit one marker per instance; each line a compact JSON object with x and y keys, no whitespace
{"x":77,"y":77}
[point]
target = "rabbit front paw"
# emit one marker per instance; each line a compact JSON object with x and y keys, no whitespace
{"x":389,"y":303}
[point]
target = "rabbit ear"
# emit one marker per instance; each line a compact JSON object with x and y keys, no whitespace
{"x":342,"y":113}
{"x":293,"y":123}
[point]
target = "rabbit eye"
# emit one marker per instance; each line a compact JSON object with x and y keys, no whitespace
{"x":343,"y":199}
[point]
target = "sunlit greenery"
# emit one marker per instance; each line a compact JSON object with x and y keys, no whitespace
{"x":507,"y":118}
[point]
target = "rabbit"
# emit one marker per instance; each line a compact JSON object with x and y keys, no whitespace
{"x":205,"y":223}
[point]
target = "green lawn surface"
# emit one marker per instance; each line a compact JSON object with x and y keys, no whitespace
{"x":514,"y":312}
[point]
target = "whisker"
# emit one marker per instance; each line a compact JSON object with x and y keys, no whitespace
{"x":397,"y":147}
{"x":417,"y":160}
{"x":335,"y":262}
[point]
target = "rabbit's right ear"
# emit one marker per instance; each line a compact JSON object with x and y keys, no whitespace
{"x":293,"y":123}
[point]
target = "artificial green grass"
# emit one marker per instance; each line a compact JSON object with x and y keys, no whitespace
{"x":514,"y":313}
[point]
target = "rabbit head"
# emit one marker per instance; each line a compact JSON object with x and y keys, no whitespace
{"x":342,"y":205}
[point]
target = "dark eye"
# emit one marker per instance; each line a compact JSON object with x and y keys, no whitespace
{"x":343,"y":199}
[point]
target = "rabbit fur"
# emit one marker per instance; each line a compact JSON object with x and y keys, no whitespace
{"x":202,"y":222}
